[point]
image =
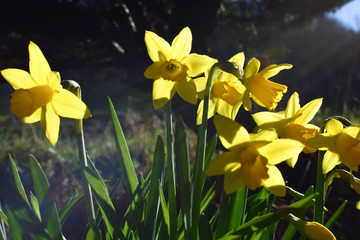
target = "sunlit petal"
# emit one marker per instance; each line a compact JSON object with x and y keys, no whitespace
{"x":51,"y":124}
{"x":200,"y":84}
{"x":275,"y":183}
{"x":267,"y":135}
{"x":261,"y":118}
{"x":246,"y":100}
{"x":322,"y":141}
{"x":35,"y":117}
{"x":39,"y":67}
{"x":187,"y":91}
{"x":223,"y":163}
{"x":307,"y":112}
{"x":330,"y":160}
{"x":67,"y":104}
{"x":163,"y":91}
{"x":181,"y":45}
{"x":18,"y":78}
{"x":226,"y":109}
{"x":251,"y":68}
{"x":334,"y":127}
{"x":156,"y":44}
{"x":280,"y":150}
{"x":274,"y":69}
{"x":230,"y":132}
{"x":238,"y":59}
{"x":211,"y":110}
{"x":153,"y":71}
{"x":197,"y":64}
{"x":293,"y":105}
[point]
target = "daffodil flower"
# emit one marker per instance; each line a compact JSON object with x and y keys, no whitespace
{"x":263,"y":91}
{"x":38,"y":95}
{"x":174,"y":67}
{"x":293,"y":123}
{"x":342,"y":145}
{"x":251,"y":158}
{"x":226,"y":93}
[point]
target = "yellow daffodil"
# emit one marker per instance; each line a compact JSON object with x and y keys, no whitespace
{"x":226,"y":93}
{"x":39,"y":96}
{"x":293,"y":123}
{"x":263,"y":91}
{"x":311,"y":230}
{"x":342,"y":145}
{"x":251,"y":158}
{"x":174,"y":67}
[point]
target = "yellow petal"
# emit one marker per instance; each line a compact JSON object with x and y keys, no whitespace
{"x":163,"y":91}
{"x":156,"y":45}
{"x":24,"y":102}
{"x":200,"y":84}
{"x":232,"y":182}
{"x":246,"y":100}
{"x":292,"y":161}
{"x":353,"y":130}
{"x":181,"y":45}
{"x":253,"y":169}
{"x":50,"y":123}
{"x":322,"y":141}
{"x":281,"y":149}
{"x":18,"y":78}
{"x":230,"y":132}
{"x":269,"y":118}
{"x":187,"y":91}
{"x":330,"y":160}
{"x":35,"y":117}
{"x":252,"y":67}
{"x":334,"y":127}
{"x":39,"y":67}
{"x":226,"y":109}
{"x":275,"y":183}
{"x":225,"y":162}
{"x":307,"y":112}
{"x":66,"y":104}
{"x":293,"y":105}
{"x":239,"y":59}
{"x":267,"y":135}
{"x":197,"y":64}
{"x":274,"y":69}
{"x":211,"y":110}
{"x":153,"y":71}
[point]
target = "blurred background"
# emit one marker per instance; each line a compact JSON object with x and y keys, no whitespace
{"x":100,"y":44}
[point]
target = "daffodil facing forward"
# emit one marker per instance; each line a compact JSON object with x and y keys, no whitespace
{"x":226,"y":93}
{"x":263,"y":91}
{"x":342,"y":145}
{"x":293,"y":123}
{"x":174,"y":67}
{"x":251,"y":158}
{"x":38,"y":95}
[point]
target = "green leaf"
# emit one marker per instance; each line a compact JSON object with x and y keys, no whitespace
{"x":4,"y":217}
{"x":67,"y":207}
{"x":330,"y":223}
{"x":261,"y":222}
{"x":207,"y":199}
{"x":17,"y":179}
{"x":205,"y":232}
{"x":153,"y":198}
{"x":94,"y":233}
{"x":35,"y":205}
{"x":40,"y":181}
{"x":15,"y":228}
{"x":164,"y":209}
{"x":50,"y":218}
{"x":183,"y":173}
{"x":127,"y":163}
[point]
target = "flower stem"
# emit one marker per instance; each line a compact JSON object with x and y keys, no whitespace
{"x":320,"y":190}
{"x":171,"y":172}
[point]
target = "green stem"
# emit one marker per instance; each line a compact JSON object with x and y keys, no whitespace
{"x":320,"y":190}
{"x":171,"y":173}
{"x":86,"y":186}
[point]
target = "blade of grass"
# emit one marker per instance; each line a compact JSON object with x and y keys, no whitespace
{"x":330,"y":223}
{"x":17,"y":179}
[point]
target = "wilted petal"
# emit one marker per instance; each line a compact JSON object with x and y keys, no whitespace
{"x":163,"y":91}
{"x":197,"y":64}
{"x":66,"y":104}
{"x":187,"y":91}
{"x":230,"y":132}
{"x":50,"y":124}
{"x":39,"y":66}
{"x":281,"y":149}
{"x":274,"y":69}
{"x":156,"y":44}
{"x":307,"y":112}
{"x":293,"y":105}
{"x":18,"y":78}
{"x":232,"y":182}
{"x":275,"y":183}
{"x":330,"y":160}
{"x":181,"y":45}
